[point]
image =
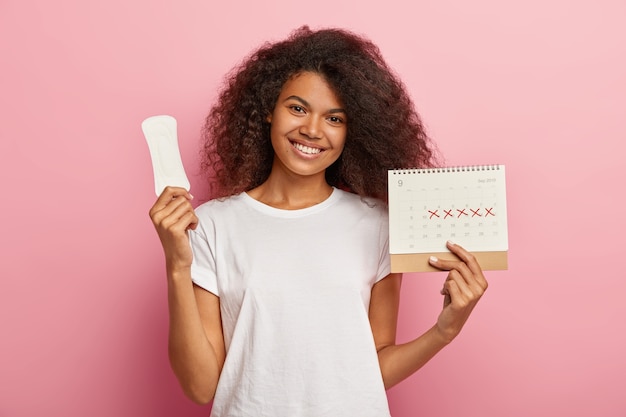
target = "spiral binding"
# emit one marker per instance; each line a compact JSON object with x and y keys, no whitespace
{"x":459,"y":168}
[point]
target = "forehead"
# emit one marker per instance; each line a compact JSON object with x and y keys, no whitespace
{"x":311,"y":87}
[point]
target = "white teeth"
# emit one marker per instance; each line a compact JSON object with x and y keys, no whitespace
{"x":306,"y":149}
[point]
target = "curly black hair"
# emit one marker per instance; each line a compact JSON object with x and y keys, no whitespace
{"x":384,"y":130}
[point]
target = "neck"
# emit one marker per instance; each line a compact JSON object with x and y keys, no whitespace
{"x":292,"y":193}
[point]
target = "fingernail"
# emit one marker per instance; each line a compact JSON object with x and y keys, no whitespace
{"x":451,"y":243}
{"x":433,"y":259}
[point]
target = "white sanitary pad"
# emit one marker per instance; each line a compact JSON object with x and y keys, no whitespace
{"x":162,"y":138}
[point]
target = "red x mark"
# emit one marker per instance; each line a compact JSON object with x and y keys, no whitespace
{"x":489,"y":212}
{"x":448,"y":213}
{"x":476,"y":212}
{"x":461,"y":213}
{"x":433,"y":213}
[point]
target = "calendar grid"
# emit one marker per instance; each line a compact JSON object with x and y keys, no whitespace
{"x":467,"y":206}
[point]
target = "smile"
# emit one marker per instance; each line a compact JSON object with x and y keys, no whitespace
{"x":306,"y":149}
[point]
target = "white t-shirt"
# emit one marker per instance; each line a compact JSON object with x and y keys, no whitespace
{"x":294,"y":288}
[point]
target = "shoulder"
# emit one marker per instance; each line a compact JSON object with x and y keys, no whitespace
{"x":219,"y":205}
{"x":216,"y":214}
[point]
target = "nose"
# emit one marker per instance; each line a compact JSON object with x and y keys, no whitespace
{"x":311,"y":127}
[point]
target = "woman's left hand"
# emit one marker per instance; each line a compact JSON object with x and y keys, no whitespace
{"x":462,"y":289}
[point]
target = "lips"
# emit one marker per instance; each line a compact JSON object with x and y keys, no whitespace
{"x":306,"y":149}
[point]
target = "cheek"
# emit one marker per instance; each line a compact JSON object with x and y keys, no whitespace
{"x":340,"y":140}
{"x":279,"y":145}
{"x":282,"y":125}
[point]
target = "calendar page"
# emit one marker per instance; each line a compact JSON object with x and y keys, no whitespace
{"x":466,"y":205}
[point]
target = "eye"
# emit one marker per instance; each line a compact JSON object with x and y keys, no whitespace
{"x":335,"y":120}
{"x":296,"y":109}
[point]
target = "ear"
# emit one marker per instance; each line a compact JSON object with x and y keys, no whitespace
{"x":268,"y":119}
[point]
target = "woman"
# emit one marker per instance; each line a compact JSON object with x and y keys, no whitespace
{"x":280,"y":293}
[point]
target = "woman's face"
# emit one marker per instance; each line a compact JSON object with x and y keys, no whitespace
{"x":308,"y":126}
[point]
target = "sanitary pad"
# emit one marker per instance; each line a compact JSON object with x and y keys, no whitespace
{"x":162,"y":138}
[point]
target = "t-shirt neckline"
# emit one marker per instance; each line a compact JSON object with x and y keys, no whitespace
{"x":334,"y":196}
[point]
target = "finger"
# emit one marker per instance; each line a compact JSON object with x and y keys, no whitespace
{"x":188,"y":221}
{"x":177,"y":205}
{"x":467,"y":285}
{"x":463,"y":288}
{"x":450,"y":264}
{"x":447,"y":299}
{"x":460,"y":284}
{"x":166,"y":197}
{"x":193,"y":224}
{"x":178,"y":215}
{"x":451,"y":289}
{"x":470,"y":261}
{"x":465,"y":256}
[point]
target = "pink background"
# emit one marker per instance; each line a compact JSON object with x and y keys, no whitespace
{"x":537,"y":85}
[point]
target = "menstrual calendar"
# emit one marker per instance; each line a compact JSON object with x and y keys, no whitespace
{"x":428,"y":207}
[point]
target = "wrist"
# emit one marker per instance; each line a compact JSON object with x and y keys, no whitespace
{"x":443,"y":337}
{"x":176,"y":273}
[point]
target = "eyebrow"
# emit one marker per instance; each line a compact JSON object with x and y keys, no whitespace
{"x":307,"y":104}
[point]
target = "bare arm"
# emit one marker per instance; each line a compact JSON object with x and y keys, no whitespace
{"x":196,"y":343}
{"x":464,"y":286}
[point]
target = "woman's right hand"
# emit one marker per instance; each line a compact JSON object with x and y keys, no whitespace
{"x":173,"y":215}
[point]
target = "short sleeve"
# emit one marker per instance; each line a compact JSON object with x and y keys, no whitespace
{"x":384,"y":263}
{"x":203,"y":265}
